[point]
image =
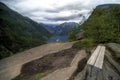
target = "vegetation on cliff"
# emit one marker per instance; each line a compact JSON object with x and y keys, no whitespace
{"x":104,"y":24}
{"x":18,"y":33}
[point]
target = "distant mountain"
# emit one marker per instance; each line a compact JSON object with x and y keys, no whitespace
{"x":60,"y":29}
{"x":64,"y":28}
{"x":49,"y":27}
{"x":60,"y":32}
{"x":107,"y":6}
{"x":18,"y":32}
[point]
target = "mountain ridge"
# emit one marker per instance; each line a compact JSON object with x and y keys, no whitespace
{"x":64,"y":28}
{"x":18,"y":32}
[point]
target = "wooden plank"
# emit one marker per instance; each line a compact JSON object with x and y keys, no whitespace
{"x":94,"y":69}
{"x":97,"y":57}
{"x":100,"y":58}
{"x":93,"y":58}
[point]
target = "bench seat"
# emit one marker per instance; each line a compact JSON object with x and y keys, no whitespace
{"x":97,"y":57}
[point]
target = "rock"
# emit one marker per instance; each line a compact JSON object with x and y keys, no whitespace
{"x":10,"y":67}
{"x":114,"y":46}
{"x":79,"y":36}
{"x":66,"y":73}
{"x":110,"y":70}
{"x":115,"y":49}
{"x":78,"y":70}
{"x":112,"y":61}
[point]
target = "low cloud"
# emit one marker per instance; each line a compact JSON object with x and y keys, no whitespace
{"x":55,"y":10}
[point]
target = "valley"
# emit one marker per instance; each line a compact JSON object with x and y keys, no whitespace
{"x":58,"y":38}
{"x":31,"y":50}
{"x":18,"y":33}
{"x":60,"y":31}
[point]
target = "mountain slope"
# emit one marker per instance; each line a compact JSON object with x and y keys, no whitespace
{"x":104,"y":24}
{"x":64,"y":28}
{"x":18,"y":32}
{"x":50,"y":27}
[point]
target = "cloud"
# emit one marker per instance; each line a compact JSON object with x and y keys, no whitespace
{"x":62,"y":18}
{"x":55,"y":11}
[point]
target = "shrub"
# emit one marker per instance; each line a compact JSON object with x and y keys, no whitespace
{"x":72,"y":36}
{"x":88,"y":42}
{"x":85,"y":43}
{"x":103,"y":25}
{"x":39,"y":76}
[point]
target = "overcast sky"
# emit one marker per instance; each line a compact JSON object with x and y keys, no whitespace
{"x":55,"y":11}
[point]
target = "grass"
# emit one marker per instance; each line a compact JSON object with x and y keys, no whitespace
{"x":118,"y":55}
{"x":85,"y":43}
{"x":39,"y":76}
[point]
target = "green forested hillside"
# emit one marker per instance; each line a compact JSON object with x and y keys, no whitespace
{"x":18,"y":33}
{"x":104,"y":24}
{"x":64,"y":28}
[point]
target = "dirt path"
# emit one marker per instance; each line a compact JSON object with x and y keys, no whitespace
{"x":66,"y":73}
{"x":11,"y":66}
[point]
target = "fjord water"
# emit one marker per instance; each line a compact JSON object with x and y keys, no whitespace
{"x":58,"y":38}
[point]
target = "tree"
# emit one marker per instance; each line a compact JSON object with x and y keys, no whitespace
{"x":103,"y":25}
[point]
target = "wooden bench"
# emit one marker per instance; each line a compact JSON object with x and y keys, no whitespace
{"x":95,"y":63}
{"x":97,"y":57}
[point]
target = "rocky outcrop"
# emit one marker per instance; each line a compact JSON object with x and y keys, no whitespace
{"x":115,"y":49}
{"x":80,"y":36}
{"x":66,"y":73}
{"x":53,"y":58}
{"x":114,"y":46}
{"x":110,"y":70}
{"x":11,"y":67}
